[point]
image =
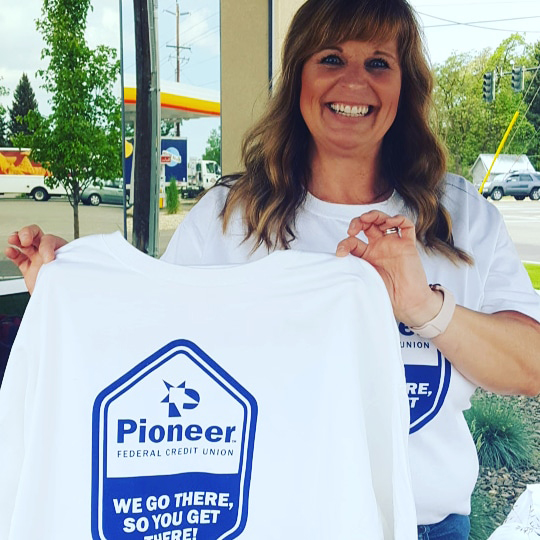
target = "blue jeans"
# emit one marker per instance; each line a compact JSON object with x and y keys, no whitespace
{"x":454,"y":527}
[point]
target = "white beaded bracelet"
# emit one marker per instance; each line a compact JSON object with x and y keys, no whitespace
{"x":441,"y":321}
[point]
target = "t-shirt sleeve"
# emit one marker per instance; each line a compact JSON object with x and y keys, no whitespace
{"x":188,"y":242}
{"x":507,"y":285}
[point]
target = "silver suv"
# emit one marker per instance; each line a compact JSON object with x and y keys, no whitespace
{"x":519,"y":184}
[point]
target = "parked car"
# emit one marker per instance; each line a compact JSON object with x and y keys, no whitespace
{"x":111,"y":192}
{"x":519,"y":184}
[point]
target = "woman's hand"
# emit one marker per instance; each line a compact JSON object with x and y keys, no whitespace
{"x":498,"y":351}
{"x":395,"y":257}
{"x":29,"y":249}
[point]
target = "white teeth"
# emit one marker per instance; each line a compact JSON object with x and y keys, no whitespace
{"x":347,"y":110}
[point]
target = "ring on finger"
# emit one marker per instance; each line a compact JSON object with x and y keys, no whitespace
{"x":391,"y":230}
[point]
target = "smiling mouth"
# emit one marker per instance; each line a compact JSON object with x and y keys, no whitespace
{"x":352,"y":111}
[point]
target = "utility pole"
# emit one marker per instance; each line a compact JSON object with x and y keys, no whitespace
{"x":147,"y":132}
{"x":177,"y":42}
{"x":177,"y":47}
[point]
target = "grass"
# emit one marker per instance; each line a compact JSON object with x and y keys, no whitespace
{"x":534,"y":273}
{"x":502,"y":436}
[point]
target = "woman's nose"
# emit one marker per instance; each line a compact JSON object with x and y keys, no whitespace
{"x":354,"y":75}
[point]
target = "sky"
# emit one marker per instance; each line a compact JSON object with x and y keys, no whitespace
{"x":458,"y":26}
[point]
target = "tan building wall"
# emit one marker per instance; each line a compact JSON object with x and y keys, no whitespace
{"x":283,"y":11}
{"x":244,"y":73}
{"x":245,"y":66}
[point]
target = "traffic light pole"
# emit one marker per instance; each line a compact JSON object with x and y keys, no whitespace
{"x":499,"y":150}
{"x":490,"y":81}
{"x":488,"y":90}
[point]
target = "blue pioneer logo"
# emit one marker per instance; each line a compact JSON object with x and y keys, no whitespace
{"x":172,"y":450}
{"x":180,"y":398}
{"x":428,"y":374}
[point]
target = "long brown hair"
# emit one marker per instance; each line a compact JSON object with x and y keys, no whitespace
{"x":275,"y":150}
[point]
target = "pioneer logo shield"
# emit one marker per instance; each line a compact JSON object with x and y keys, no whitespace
{"x":172,"y":449}
{"x":427,"y":387}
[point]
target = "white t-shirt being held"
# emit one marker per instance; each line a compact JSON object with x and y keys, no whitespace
{"x":147,"y":401}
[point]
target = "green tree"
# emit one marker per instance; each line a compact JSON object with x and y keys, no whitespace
{"x":4,"y":141}
{"x":80,"y":142}
{"x":213,"y":146}
{"x":24,"y":101}
{"x":532,"y":99}
{"x":168,"y":127}
{"x":467,"y":124}
{"x":3,"y":123}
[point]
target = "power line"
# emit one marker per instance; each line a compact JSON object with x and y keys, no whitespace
{"x":487,"y":4}
{"x":476,"y":24}
{"x":190,"y":28}
{"x":209,"y":32}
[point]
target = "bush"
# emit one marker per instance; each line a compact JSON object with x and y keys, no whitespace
{"x":501,"y":434}
{"x":171,"y":197}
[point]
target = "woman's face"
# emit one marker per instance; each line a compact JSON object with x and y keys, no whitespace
{"x":350,"y":95}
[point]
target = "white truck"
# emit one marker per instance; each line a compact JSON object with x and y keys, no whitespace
{"x":20,"y":175}
{"x":202,"y":174}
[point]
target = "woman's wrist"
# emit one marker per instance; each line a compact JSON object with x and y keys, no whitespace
{"x":437,"y":324}
{"x":425,"y":309}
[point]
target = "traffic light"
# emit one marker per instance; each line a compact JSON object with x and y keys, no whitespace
{"x":518,"y":79}
{"x":488,"y":88}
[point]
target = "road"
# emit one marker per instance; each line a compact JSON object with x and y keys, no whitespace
{"x":521,"y":217}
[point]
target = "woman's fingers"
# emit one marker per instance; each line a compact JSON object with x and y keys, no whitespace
{"x":351,"y":245}
{"x":30,"y":235}
{"x":29,"y":249}
{"x":377,"y":224}
{"x":48,"y":246}
{"x":16,"y":256}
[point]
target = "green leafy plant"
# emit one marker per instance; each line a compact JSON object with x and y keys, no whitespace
{"x":171,"y":197}
{"x":501,"y":435}
{"x":213,"y":146}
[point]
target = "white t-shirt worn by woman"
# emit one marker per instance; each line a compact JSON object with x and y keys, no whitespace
{"x":443,"y":458}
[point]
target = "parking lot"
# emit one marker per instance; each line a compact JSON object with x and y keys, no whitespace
{"x":56,"y":216}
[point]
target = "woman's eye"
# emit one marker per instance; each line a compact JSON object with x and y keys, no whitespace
{"x":331,"y":59}
{"x":378,"y":63}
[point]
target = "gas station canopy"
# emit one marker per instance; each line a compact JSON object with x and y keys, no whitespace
{"x":178,"y":101}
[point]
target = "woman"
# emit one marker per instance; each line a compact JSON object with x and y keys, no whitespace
{"x":345,"y":159}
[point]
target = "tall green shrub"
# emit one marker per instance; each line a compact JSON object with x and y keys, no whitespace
{"x":171,"y":197}
{"x":502,"y":436}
